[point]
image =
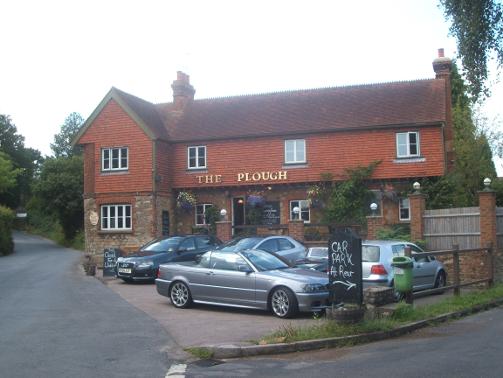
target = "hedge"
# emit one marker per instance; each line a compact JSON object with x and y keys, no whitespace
{"x":6,"y":222}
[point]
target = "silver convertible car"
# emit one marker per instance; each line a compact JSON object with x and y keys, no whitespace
{"x":248,"y":279}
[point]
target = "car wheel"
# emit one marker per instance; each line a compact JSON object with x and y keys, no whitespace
{"x":179,"y":294}
{"x":441,"y":280}
{"x":283,"y":303}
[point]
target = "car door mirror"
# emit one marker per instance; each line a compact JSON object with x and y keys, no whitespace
{"x":245,"y":269}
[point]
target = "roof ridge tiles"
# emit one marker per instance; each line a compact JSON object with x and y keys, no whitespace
{"x":296,"y":91}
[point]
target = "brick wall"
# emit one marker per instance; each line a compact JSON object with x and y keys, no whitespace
{"x":114,"y":128}
{"x":326,"y":152}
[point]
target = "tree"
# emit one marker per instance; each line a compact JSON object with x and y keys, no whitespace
{"x":27,"y":160}
{"x":62,"y":146}
{"x":473,"y":161}
{"x":477,"y":26}
{"x":348,"y":199}
{"x":60,"y":186}
{"x":8,"y":173}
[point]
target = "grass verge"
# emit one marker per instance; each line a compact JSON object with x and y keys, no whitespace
{"x":202,"y":353}
{"x":403,"y":314}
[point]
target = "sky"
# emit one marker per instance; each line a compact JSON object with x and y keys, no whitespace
{"x":60,"y":57}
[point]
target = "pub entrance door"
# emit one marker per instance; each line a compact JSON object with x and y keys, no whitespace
{"x":238,"y":214}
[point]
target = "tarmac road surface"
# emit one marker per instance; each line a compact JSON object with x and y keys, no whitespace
{"x":56,"y":322}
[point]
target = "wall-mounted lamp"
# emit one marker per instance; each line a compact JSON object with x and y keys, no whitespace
{"x":373,"y":208}
{"x":223,"y":214}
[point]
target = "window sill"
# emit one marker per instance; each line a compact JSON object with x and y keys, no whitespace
{"x":409,"y":160}
{"x":114,"y":232}
{"x":197,"y":170}
{"x":116,"y":172}
{"x":294,"y":165}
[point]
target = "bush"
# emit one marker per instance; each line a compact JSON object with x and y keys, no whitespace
{"x":6,"y":222}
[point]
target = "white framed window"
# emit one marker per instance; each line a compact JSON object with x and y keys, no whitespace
{"x":407,"y":144}
{"x":304,"y":211}
{"x":295,"y":151}
{"x":404,"y":209}
{"x":114,"y":159}
{"x":115,"y":217}
{"x":201,"y":213}
{"x":196,"y":157}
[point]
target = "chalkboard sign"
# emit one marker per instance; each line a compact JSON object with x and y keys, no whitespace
{"x":270,"y":213}
{"x":109,"y":260}
{"x":345,"y":267}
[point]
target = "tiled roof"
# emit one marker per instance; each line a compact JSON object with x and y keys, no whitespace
{"x":408,"y":103}
{"x":285,"y":113}
{"x":147,"y":112}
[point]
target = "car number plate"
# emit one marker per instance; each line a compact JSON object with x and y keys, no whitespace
{"x":398,"y":270}
{"x":124,"y":270}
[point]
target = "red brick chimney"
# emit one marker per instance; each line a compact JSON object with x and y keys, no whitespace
{"x":442,"y":67}
{"x":183,"y":92}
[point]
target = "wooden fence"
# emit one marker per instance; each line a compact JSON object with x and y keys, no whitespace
{"x":447,"y":227}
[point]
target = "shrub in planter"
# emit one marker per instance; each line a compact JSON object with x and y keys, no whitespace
{"x":6,"y":222}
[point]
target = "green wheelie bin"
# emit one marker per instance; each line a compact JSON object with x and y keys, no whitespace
{"x":402,"y":267}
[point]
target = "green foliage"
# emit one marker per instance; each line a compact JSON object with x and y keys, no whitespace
{"x":26,"y":160}
{"x":6,"y":221}
{"x":395,"y":232}
{"x":62,"y":146}
{"x":60,"y":189}
{"x":8,"y":173}
{"x":211,"y":217}
{"x":348,"y":199}
{"x":477,"y":26}
{"x":403,"y":314}
{"x":254,"y":215}
{"x":473,"y":156}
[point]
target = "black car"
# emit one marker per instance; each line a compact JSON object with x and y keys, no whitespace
{"x":144,"y":264}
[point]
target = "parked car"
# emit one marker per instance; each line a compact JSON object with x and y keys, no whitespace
{"x":377,"y":256}
{"x":246,"y":279}
{"x":283,"y":246}
{"x":143,"y":265}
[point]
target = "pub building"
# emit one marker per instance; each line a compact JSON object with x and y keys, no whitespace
{"x":156,"y":169}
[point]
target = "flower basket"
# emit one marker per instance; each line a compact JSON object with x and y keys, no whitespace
{"x":255,"y":200}
{"x":186,"y":201}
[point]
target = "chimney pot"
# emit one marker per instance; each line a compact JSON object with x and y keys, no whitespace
{"x":441,"y":53}
{"x":183,"y":92}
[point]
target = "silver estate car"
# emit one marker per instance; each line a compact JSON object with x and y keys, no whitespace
{"x":283,"y":246}
{"x":377,"y":256}
{"x":248,"y":279}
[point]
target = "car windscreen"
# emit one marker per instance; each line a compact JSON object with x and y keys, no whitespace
{"x":236,"y":245}
{"x":163,"y":245}
{"x":264,"y":260}
{"x":370,"y":253}
{"x":320,"y":252}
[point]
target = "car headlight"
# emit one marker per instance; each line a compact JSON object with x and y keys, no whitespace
{"x":146,"y":264}
{"x":312,"y":288}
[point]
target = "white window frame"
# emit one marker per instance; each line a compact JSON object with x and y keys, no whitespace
{"x":293,"y":216}
{"x":402,"y":207}
{"x":110,"y":154}
{"x":112,"y":222}
{"x":297,"y":145}
{"x":407,"y":145}
{"x":205,"y":206}
{"x":196,"y":148}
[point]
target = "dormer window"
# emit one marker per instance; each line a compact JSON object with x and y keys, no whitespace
{"x":196,"y":156}
{"x":114,"y":159}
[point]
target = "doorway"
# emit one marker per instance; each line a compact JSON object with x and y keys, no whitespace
{"x":238,"y":213}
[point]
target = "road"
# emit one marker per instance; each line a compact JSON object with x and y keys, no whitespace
{"x":470,"y":347}
{"x":56,"y":322}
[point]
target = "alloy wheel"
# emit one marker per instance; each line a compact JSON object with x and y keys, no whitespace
{"x":180,"y":294}
{"x":280,"y":302}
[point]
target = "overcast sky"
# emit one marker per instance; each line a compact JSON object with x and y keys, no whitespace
{"x":60,"y":57}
